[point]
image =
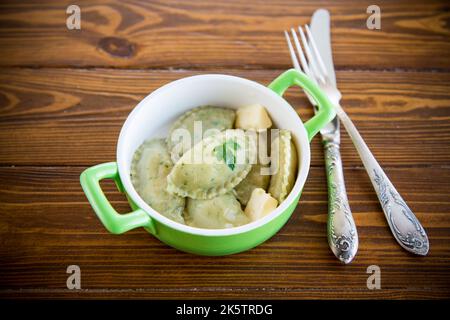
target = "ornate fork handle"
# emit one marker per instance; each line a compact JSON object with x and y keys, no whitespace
{"x":404,"y":225}
{"x":342,"y":234}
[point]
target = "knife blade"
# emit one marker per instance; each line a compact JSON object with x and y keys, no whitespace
{"x":320,"y":29}
{"x":342,"y":233}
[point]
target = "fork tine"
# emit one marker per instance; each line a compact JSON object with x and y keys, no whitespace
{"x":311,"y":60}
{"x":295,"y":60}
{"x":292,"y":52}
{"x":300,"y":53}
{"x":316,"y":51}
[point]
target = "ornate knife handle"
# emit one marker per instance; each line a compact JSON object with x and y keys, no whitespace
{"x":404,"y":225}
{"x":342,"y":234}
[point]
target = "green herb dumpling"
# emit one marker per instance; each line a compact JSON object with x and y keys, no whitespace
{"x":254,"y":179}
{"x":182,"y":133}
{"x":220,"y":212}
{"x":149,"y":169}
{"x":284,"y":161}
{"x":210,"y":173}
{"x":214,"y":166}
{"x":259,"y":175}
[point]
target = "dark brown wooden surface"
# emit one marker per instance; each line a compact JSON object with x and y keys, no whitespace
{"x":65,"y":94}
{"x":225,"y":34}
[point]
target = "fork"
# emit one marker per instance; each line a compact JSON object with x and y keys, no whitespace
{"x":404,"y":225}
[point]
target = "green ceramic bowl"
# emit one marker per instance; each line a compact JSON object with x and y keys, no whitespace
{"x":152,"y":117}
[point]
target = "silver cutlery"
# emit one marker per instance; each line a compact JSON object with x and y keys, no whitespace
{"x":404,"y":225}
{"x":341,"y":229}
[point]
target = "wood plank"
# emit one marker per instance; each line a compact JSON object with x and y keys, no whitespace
{"x":227,"y":34}
{"x":73,"y":117}
{"x":47,"y":225}
{"x":197,"y":294}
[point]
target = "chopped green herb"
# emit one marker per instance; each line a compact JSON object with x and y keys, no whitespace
{"x":227,"y":153}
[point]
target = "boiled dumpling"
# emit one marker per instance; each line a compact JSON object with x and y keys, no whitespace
{"x":259,"y":175}
{"x":254,"y":179}
{"x":213,"y":166}
{"x":217,"y":213}
{"x":182,"y":134}
{"x":284,"y":164}
{"x":149,"y":169}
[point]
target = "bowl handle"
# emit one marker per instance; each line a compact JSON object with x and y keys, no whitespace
{"x":325,"y":112}
{"x":112,"y":220}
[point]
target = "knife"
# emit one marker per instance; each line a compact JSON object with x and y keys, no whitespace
{"x":341,"y":229}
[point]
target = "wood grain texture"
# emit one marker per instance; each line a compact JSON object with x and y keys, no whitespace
{"x":47,"y":225}
{"x":73,"y":117}
{"x":225,"y":34}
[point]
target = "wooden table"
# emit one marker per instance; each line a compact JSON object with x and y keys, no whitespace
{"x":64,"y":95}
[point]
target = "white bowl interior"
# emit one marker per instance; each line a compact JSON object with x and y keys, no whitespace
{"x":153,"y":116}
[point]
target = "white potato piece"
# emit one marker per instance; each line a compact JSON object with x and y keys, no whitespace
{"x":253,"y":117}
{"x":260,"y":204}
